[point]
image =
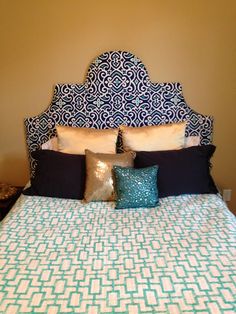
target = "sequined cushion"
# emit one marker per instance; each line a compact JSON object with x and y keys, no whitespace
{"x":99,"y":178}
{"x":136,"y":187}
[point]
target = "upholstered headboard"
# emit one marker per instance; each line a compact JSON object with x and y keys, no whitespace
{"x":117,"y":90}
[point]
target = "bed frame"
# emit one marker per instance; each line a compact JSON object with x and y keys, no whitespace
{"x":117,"y":90}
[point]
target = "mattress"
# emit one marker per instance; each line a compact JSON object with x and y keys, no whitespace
{"x":62,"y":256}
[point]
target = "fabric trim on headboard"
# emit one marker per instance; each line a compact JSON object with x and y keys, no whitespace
{"x":117,"y":90}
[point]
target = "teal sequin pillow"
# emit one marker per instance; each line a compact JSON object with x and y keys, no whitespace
{"x":136,"y":187}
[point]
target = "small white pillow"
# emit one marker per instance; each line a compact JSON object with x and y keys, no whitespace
{"x":154,"y":138}
{"x":51,"y":144}
{"x":75,"y":140}
{"x":192,"y":141}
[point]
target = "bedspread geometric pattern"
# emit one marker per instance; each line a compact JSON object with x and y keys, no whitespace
{"x":61,"y":256}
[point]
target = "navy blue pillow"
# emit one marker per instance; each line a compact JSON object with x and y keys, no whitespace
{"x":58,"y":175}
{"x":184,"y":171}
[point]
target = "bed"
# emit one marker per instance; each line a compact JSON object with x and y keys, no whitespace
{"x":64,"y":255}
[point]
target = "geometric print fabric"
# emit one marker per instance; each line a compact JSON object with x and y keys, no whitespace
{"x":117,"y":91}
{"x":61,"y":256}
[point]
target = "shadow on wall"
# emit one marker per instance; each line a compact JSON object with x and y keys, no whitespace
{"x":15,"y":169}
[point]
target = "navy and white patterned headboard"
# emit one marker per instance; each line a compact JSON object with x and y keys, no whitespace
{"x":117,"y":90}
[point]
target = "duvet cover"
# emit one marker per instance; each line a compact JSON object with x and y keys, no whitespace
{"x":62,"y":256}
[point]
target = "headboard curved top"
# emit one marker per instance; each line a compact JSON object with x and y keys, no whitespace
{"x":117,"y":90}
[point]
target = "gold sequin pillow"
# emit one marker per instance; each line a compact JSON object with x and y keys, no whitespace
{"x":99,"y":177}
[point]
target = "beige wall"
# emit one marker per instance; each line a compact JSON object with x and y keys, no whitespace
{"x":48,"y":42}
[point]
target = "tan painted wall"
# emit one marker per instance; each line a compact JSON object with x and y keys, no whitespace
{"x":47,"y":42}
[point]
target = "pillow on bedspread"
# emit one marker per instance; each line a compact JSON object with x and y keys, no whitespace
{"x":136,"y":187}
{"x":99,"y":178}
{"x":185,"y":171}
{"x":192,"y":141}
{"x":75,"y":140}
{"x":52,"y":143}
{"x":58,"y":175}
{"x":153,"y":138}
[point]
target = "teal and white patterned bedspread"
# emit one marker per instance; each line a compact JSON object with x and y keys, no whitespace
{"x":61,"y":256}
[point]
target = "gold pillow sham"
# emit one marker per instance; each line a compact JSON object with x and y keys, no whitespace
{"x":154,"y":138}
{"x":99,"y":178}
{"x":75,"y":140}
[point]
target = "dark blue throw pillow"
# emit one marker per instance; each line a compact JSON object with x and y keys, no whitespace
{"x":136,"y":187}
{"x":58,"y":175}
{"x":184,"y":171}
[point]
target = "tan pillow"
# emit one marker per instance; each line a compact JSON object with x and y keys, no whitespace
{"x":99,"y":178}
{"x":75,"y":140}
{"x":154,"y":138}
